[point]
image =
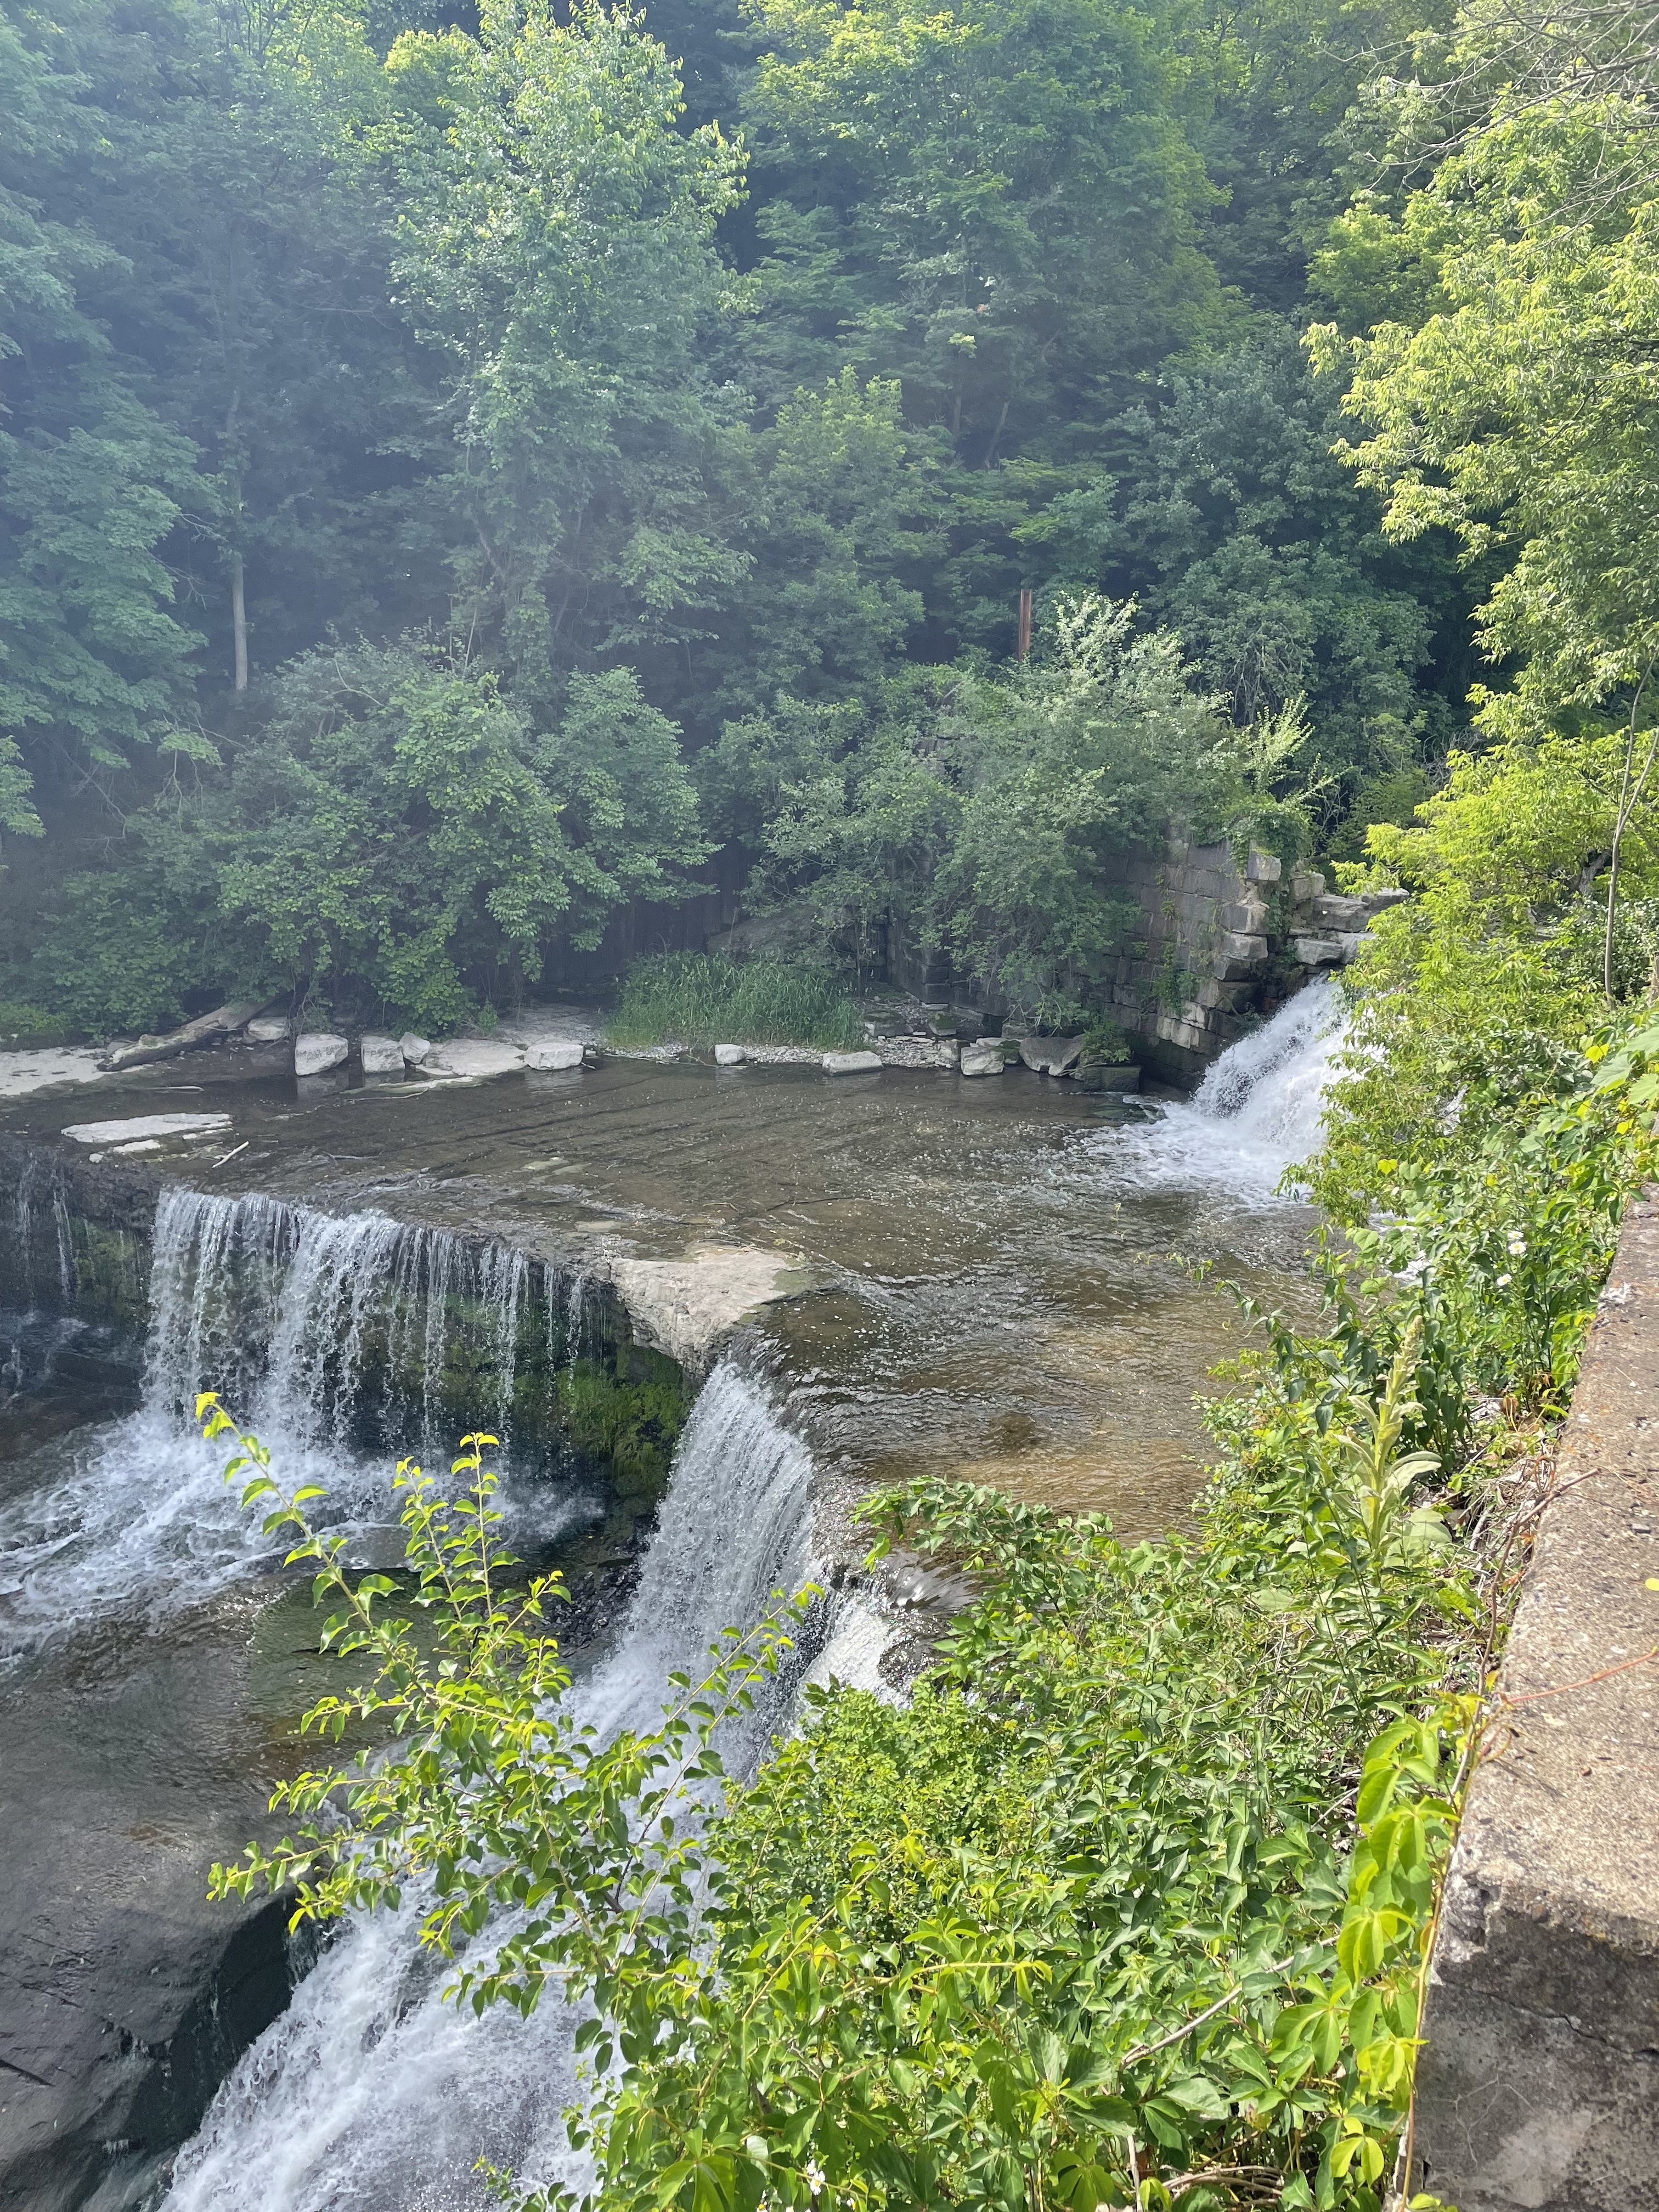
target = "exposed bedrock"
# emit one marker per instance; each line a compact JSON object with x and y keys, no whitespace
{"x":136,"y":1755}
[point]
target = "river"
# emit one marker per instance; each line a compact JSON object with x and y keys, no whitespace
{"x":990,"y":1278}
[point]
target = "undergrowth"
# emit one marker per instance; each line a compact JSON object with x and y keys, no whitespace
{"x":699,"y":998}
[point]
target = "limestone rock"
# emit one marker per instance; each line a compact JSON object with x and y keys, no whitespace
{"x":1249,"y":917}
{"x":686,"y":1307}
{"x":1318,"y":951}
{"x":381,"y":1055}
{"x":852,"y":1063}
{"x":476,"y":1058}
{"x":1263,"y":867}
{"x":1051,"y":1055}
{"x":554,"y":1054}
{"x":270,"y":1029}
{"x":1238,"y":953}
{"x":145,"y":1125}
{"x":946,"y":1051}
{"x":733,"y":1055}
{"x":1307,"y":886}
{"x":318,"y":1050}
{"x":1333,"y":913}
{"x":983,"y":1058}
{"x":414,"y":1050}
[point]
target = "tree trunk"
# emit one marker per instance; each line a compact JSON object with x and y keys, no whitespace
{"x":239,"y":620}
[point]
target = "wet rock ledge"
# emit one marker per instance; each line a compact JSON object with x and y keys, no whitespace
{"x":1540,"y":2083}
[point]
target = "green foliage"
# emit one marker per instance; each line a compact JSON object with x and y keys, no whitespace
{"x":630,"y":1425}
{"x":1089,"y":1915}
{"x":698,"y":998}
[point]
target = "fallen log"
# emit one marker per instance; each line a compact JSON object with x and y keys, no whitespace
{"x":223,"y":1021}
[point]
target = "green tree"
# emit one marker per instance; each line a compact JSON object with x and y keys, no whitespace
{"x":1249,"y":539}
{"x":555,"y":243}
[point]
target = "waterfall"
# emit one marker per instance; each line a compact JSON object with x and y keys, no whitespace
{"x":1256,"y":1112}
{"x":370,"y":2091}
{"x":339,"y":1340}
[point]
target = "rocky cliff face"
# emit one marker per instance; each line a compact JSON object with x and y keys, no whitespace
{"x":1220,"y":944}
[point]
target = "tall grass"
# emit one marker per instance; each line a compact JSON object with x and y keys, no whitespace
{"x":701,"y":998}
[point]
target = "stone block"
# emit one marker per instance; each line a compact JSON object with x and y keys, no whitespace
{"x":1332,"y":912}
{"x":1247,"y":917}
{"x":1238,"y":953}
{"x":1307,"y":886}
{"x":1176,"y":1032}
{"x":318,"y":1050}
{"x":1537,"y":2084}
{"x":852,"y":1063}
{"x":552,"y":1054}
{"x":1263,"y":867}
{"x":983,"y":1058}
{"x":476,"y":1058}
{"x":380,"y":1055}
{"x":270,"y":1029}
{"x":414,"y":1048}
{"x":729,"y":1056}
{"x":1318,"y":951}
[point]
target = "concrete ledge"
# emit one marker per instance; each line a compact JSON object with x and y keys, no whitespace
{"x":1539,"y":2084}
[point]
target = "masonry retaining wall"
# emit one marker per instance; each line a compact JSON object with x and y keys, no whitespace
{"x":1539,"y":2082}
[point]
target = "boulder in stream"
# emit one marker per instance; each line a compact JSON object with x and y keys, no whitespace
{"x":985,"y":1057}
{"x":318,"y":1050}
{"x":552,"y":1054}
{"x":381,"y":1055}
{"x":414,"y":1050}
{"x":852,"y":1063}
{"x":476,"y":1058}
{"x":729,"y":1056}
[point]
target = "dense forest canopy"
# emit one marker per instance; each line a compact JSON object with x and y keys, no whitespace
{"x":461,"y":472}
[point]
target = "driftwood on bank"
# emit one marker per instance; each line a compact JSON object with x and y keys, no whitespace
{"x":223,"y":1021}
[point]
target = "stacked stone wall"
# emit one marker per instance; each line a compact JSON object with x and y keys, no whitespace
{"x":1220,"y":944}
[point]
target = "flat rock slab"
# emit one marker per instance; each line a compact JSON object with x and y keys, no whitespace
{"x":1538,"y":2086}
{"x":685,"y":1307}
{"x":476,"y":1058}
{"x":144,"y":1125}
{"x":1318,"y":951}
{"x":39,"y":1067}
{"x":852,"y":1063}
{"x":318,"y":1050}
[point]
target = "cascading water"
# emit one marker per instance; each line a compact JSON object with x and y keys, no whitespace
{"x":1255,"y":1113}
{"x":321,"y":1332}
{"x":372,"y":2091}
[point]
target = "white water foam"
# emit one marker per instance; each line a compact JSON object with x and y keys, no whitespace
{"x":273,"y":1306}
{"x":372,"y":2093}
{"x":1256,"y":1113}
